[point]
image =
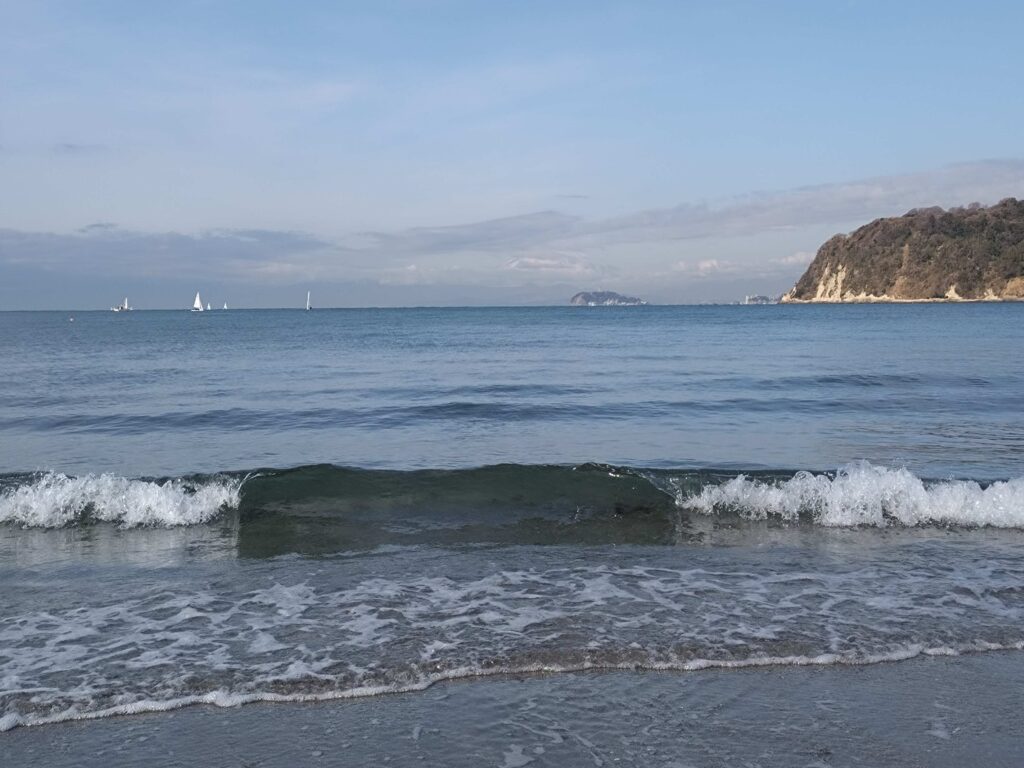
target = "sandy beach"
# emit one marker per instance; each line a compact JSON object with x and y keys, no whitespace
{"x":924,"y":712}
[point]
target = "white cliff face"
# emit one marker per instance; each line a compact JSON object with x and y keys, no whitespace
{"x":830,"y":287}
{"x":1014,"y":288}
{"x":830,"y":290}
{"x":830,"y":294}
{"x":834,"y":278}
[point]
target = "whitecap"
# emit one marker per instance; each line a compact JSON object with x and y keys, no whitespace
{"x":53,"y":500}
{"x":864,"y":494}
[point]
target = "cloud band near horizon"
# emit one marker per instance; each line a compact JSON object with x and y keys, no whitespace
{"x":691,"y":252}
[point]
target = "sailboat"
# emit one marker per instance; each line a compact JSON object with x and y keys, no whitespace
{"x":207,"y":306}
{"x":122,"y":307}
{"x":225,"y":305}
{"x":308,"y":305}
{"x":197,"y":305}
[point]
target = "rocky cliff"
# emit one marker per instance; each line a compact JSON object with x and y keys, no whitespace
{"x":930,"y":254}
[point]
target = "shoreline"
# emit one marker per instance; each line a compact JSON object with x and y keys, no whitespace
{"x":225,"y":700}
{"x":938,"y":711}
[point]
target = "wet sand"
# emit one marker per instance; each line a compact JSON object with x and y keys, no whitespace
{"x":924,"y":712}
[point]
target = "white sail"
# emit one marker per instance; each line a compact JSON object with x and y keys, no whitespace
{"x":225,"y":305}
{"x":197,"y":305}
{"x":307,"y":301}
{"x":207,"y":305}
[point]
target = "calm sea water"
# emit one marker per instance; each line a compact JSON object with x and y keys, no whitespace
{"x":280,"y":505}
{"x":939,"y":388}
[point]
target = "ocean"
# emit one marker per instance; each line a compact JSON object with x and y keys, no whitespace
{"x":506,"y":515}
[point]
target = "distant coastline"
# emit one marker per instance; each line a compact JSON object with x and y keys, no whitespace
{"x":605,"y":299}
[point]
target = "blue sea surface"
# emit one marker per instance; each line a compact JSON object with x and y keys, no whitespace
{"x":936,"y":388}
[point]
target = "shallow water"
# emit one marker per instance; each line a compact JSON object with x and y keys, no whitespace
{"x":937,"y":712}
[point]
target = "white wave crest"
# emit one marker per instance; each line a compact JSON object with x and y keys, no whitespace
{"x":53,"y":500}
{"x":867,"y":495}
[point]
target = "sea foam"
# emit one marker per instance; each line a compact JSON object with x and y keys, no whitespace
{"x":53,"y":500}
{"x":228,"y":699}
{"x":863,"y":494}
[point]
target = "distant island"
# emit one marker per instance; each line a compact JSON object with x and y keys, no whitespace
{"x":929,"y":254}
{"x":604,"y":299}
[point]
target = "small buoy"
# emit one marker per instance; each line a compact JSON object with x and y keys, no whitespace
{"x":71,"y":319}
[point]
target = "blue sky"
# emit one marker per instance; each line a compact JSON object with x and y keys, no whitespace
{"x":430,"y":152}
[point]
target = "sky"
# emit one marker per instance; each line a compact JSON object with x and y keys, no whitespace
{"x":435,"y":152}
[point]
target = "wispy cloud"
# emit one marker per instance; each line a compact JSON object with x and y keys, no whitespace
{"x":514,"y":232}
{"x":704,"y":267}
{"x":99,"y":226}
{"x":565,"y":264}
{"x":646,"y":251}
{"x":760,"y":212}
{"x":800,"y":258}
{"x":103,"y":248}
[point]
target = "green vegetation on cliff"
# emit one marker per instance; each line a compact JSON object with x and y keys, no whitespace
{"x":927,"y":254}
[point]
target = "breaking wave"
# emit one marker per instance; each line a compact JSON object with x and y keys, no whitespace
{"x":54,"y":500}
{"x":866,"y":495}
{"x":627,"y":498}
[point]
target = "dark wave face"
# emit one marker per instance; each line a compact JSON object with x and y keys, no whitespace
{"x":336,"y":508}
